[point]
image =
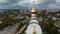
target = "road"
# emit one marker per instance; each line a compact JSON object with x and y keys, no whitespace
{"x":21,"y":29}
{"x":9,"y":30}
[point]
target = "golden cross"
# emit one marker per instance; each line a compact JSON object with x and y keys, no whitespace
{"x":33,"y":3}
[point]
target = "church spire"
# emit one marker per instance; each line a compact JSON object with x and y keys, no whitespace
{"x":33,"y":8}
{"x":33,"y":4}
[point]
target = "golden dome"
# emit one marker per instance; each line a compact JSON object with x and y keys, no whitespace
{"x":33,"y":10}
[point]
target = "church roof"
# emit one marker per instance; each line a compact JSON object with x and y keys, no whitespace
{"x":33,"y":10}
{"x":35,"y":21}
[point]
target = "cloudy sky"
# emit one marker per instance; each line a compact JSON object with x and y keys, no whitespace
{"x":11,"y":4}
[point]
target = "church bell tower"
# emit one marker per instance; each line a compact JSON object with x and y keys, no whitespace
{"x":33,"y":11}
{"x":33,"y":25}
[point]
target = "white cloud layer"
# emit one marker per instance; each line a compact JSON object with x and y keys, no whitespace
{"x":3,"y":0}
{"x":57,"y":0}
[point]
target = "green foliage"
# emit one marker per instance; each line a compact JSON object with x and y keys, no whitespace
{"x":49,"y":26}
{"x":29,"y":15}
{"x":6,"y":22}
{"x":38,"y":15}
{"x":23,"y":33}
{"x":20,"y":26}
{"x":9,"y":21}
{"x":58,"y":16}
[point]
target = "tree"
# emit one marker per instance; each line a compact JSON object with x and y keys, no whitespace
{"x":6,"y":22}
{"x":49,"y":26}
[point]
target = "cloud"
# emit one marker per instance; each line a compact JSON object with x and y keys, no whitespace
{"x":57,"y":0}
{"x":3,"y":1}
{"x":28,"y":3}
{"x":54,"y":6}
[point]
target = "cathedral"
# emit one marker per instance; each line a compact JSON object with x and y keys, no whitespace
{"x":33,"y":27}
